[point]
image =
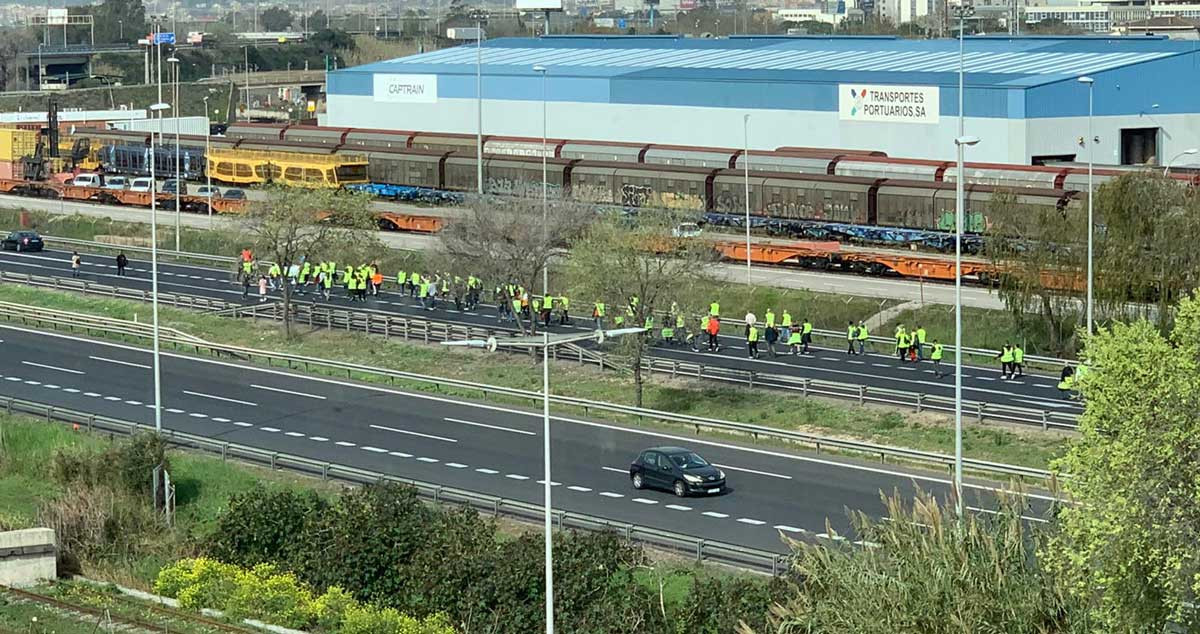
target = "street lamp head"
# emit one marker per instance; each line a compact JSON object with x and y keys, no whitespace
{"x":966,"y":140}
{"x":159,"y":107}
{"x":173,"y":60}
{"x":1087,"y":80}
{"x":1191,"y":150}
{"x":539,"y":69}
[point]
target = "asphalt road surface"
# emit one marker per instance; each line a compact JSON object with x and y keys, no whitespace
{"x":841,"y":283}
{"x":479,"y":447}
{"x":1037,"y":392}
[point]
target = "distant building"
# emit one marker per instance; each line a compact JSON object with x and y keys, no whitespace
{"x":1173,"y":27}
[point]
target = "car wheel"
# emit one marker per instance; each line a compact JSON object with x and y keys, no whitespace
{"x":637,"y":481}
{"x":680,"y":489}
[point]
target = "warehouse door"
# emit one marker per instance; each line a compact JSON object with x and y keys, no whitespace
{"x":1139,"y":146}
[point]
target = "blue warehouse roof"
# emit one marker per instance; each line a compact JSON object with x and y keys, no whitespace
{"x":989,"y":61}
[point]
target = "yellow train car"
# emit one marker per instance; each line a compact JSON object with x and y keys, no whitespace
{"x":295,"y":169}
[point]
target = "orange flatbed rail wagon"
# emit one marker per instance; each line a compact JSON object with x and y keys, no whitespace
{"x":833,"y":255}
{"x":115,"y":196}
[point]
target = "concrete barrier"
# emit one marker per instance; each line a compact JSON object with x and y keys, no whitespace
{"x":28,"y":557}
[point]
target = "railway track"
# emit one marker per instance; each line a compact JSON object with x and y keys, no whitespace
{"x":132,"y":622}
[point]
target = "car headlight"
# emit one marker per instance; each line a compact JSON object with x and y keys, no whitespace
{"x":720,"y":474}
{"x":694,"y":479}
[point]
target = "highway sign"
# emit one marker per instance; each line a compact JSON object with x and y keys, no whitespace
{"x":164,"y":38}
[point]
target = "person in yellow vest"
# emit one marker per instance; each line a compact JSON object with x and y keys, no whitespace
{"x":1018,"y":364}
{"x":273,"y":275}
{"x":785,"y":326}
{"x":668,"y":334}
{"x":863,"y":336}
{"x":1006,"y":359}
{"x":327,"y":283}
{"x":752,"y":341}
{"x":598,"y":315}
{"x":795,"y":340}
{"x":936,"y":357}
{"x":681,"y":332}
{"x":902,"y":343}
{"x":851,"y":336}
{"x":919,"y":342}
{"x":806,"y":335}
{"x":714,"y":309}
{"x":769,"y":317}
{"x":564,"y":316}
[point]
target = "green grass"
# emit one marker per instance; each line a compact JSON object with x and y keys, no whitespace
{"x":982,"y":328}
{"x":928,"y":432}
{"x":17,"y":614}
{"x":191,"y":97}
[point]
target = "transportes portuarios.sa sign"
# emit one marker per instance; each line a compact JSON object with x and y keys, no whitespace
{"x":890,"y":104}
{"x":406,"y":88}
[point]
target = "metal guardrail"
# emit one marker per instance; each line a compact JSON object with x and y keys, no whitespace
{"x":701,"y":549}
{"x":392,"y":325}
{"x":308,"y":364}
{"x":836,"y":338}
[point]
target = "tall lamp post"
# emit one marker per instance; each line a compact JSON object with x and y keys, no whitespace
{"x":207,"y":151}
{"x":174,"y":61}
{"x":545,"y":342}
{"x":480,"y":17}
{"x":156,"y":108}
{"x":962,"y":12}
{"x":545,"y":207}
{"x":746,"y":174}
{"x":1091,"y":142}
{"x":1187,"y":152}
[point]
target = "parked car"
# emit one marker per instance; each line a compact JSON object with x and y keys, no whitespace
{"x":141,"y":184}
{"x":234,"y":194}
{"x":22,"y":241}
{"x":170,"y":186}
{"x":88,"y":180}
{"x":116,"y":182}
{"x":681,"y":471}
{"x":204,"y":191}
{"x":687,"y":230}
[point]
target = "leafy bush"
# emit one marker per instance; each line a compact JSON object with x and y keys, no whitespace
{"x":94,"y":521}
{"x":372,"y":620}
{"x":127,"y":465}
{"x":329,"y":609}
{"x":277,"y":598}
{"x":720,"y":605}
{"x":261,"y":524}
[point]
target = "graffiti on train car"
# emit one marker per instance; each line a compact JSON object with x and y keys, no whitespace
{"x":521,"y":188}
{"x":682,"y":202}
{"x":974,"y":222}
{"x":592,"y":193}
{"x":727,"y":202}
{"x":636,"y":195}
{"x":645,"y":196}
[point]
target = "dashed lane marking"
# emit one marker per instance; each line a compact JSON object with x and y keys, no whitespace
{"x":400,"y":454}
{"x":516,"y":476}
{"x":678,"y":507}
{"x":203,"y":415}
{"x":715,"y":514}
{"x":244,"y":424}
{"x":220,"y":420}
{"x":281,"y":390}
{"x":456,"y":465}
{"x":425,"y":459}
{"x":751,"y":521}
{"x":761,"y":473}
{"x":173,"y":410}
{"x":610,"y":494}
{"x":314,"y":438}
{"x":616,"y":470}
{"x":342,"y":443}
{"x":119,"y":362}
{"x":134,"y":403}
{"x":293,"y":434}
{"x":413,"y":433}
{"x":53,"y":367}
{"x":645,"y":501}
{"x":373,"y":449}
{"x":575,"y":488}
{"x":789,"y":529}
{"x":487,"y":471}
{"x":220,"y":398}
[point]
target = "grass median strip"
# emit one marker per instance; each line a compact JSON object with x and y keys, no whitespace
{"x":926,"y":432}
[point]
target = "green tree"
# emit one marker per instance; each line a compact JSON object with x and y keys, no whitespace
{"x":294,"y":224}
{"x":927,"y":574}
{"x":14,"y":43}
{"x":260,"y":525}
{"x":276,"y":19}
{"x":1128,"y":545}
{"x":639,"y":269}
{"x":119,"y":21}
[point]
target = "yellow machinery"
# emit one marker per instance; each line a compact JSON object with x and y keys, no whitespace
{"x":296,"y":169}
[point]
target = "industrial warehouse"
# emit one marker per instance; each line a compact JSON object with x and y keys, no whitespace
{"x":1023,"y":96}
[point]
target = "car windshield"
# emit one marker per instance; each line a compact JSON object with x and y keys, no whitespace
{"x":688,"y":460}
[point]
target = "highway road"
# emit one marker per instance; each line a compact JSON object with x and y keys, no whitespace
{"x":983,"y":384}
{"x":469,"y":445}
{"x":840,"y":283}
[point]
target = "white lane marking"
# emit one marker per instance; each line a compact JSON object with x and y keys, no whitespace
{"x":243,"y":424}
{"x":279,"y":389}
{"x":487,"y":471}
{"x":134,"y":403}
{"x":53,"y":367}
{"x":616,"y":470}
{"x":496,"y":427}
{"x":220,"y":398}
{"x":855,"y":362}
{"x":578,"y":488}
{"x":31,"y":382}
{"x":51,"y":386}
{"x":272,"y":430}
{"x":117,"y":398}
{"x":456,"y":465}
{"x":678,"y":507}
{"x":881,"y":365}
{"x":645,"y":501}
{"x":71,"y":390}
{"x":373,"y":449}
{"x":220,"y":420}
{"x":552,"y":483}
{"x":173,"y":410}
{"x":836,"y":538}
{"x":12,"y":378}
{"x":91,"y":394}
{"x":715,"y":514}
{"x":413,"y":433}
{"x":751,"y":521}
{"x":790,"y":529}
{"x":754,"y":471}
{"x":119,"y":362}
{"x":202,"y":415}
{"x":399,"y":454}
{"x":293,"y":434}
{"x":424,"y":459}
{"x":516,"y":476}
{"x":314,"y":438}
{"x":342,"y":443}
{"x":985,"y":378}
{"x":610,"y":494}
{"x":911,"y":476}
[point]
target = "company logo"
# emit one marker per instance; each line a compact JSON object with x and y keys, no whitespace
{"x":858,"y":96}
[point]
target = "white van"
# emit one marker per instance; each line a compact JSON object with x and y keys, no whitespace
{"x":88,"y":180}
{"x":140,"y":184}
{"x":116,"y":182}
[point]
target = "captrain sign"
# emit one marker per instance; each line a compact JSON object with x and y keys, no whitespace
{"x":406,"y":88}
{"x":890,"y":104}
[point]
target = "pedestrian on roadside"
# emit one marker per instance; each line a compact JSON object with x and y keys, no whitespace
{"x":1006,"y":358}
{"x":806,"y":330}
{"x":863,"y":336}
{"x":795,"y":340}
{"x":936,"y":357}
{"x":246,"y":281}
{"x":851,"y":337}
{"x":750,"y":321}
{"x":772,"y":335}
{"x":76,"y":262}
{"x":919,"y":342}
{"x":1018,"y":364}
{"x":262,"y":289}
{"x":714,"y":328}
{"x":901,"y":343}
{"x":785,"y":326}
{"x":122,"y":262}
{"x":752,"y":341}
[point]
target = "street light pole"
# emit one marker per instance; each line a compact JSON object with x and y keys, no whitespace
{"x":174,"y":61}
{"x":962,"y":11}
{"x":479,"y":18}
{"x":1091,"y":142}
{"x":746,"y":173}
{"x":207,"y":151}
{"x":545,"y":207}
{"x":157,"y":363}
{"x":1167,"y":169}
{"x":246,"y":61}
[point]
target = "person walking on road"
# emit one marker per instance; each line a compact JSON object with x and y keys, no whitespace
{"x":851,"y":337}
{"x":1006,"y":358}
{"x":752,"y":341}
{"x":1018,"y":364}
{"x":246,"y":281}
{"x":772,"y":335}
{"x":795,"y":340}
{"x":751,"y":319}
{"x":919,"y":342}
{"x":863,"y":336}
{"x":122,"y":262}
{"x":785,"y":326}
{"x":806,"y":335}
{"x":901,"y":343}
{"x":262,"y":289}
{"x":76,"y":262}
{"x":598,"y":315}
{"x":936,"y":357}
{"x":714,"y":328}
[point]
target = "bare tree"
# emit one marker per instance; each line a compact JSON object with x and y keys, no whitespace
{"x":506,"y":241}
{"x":294,"y":225}
{"x":639,"y":269}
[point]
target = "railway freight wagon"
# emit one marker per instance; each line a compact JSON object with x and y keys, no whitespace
{"x":134,"y":160}
{"x":794,"y":196}
{"x":931,"y":206}
{"x":637,"y":185}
